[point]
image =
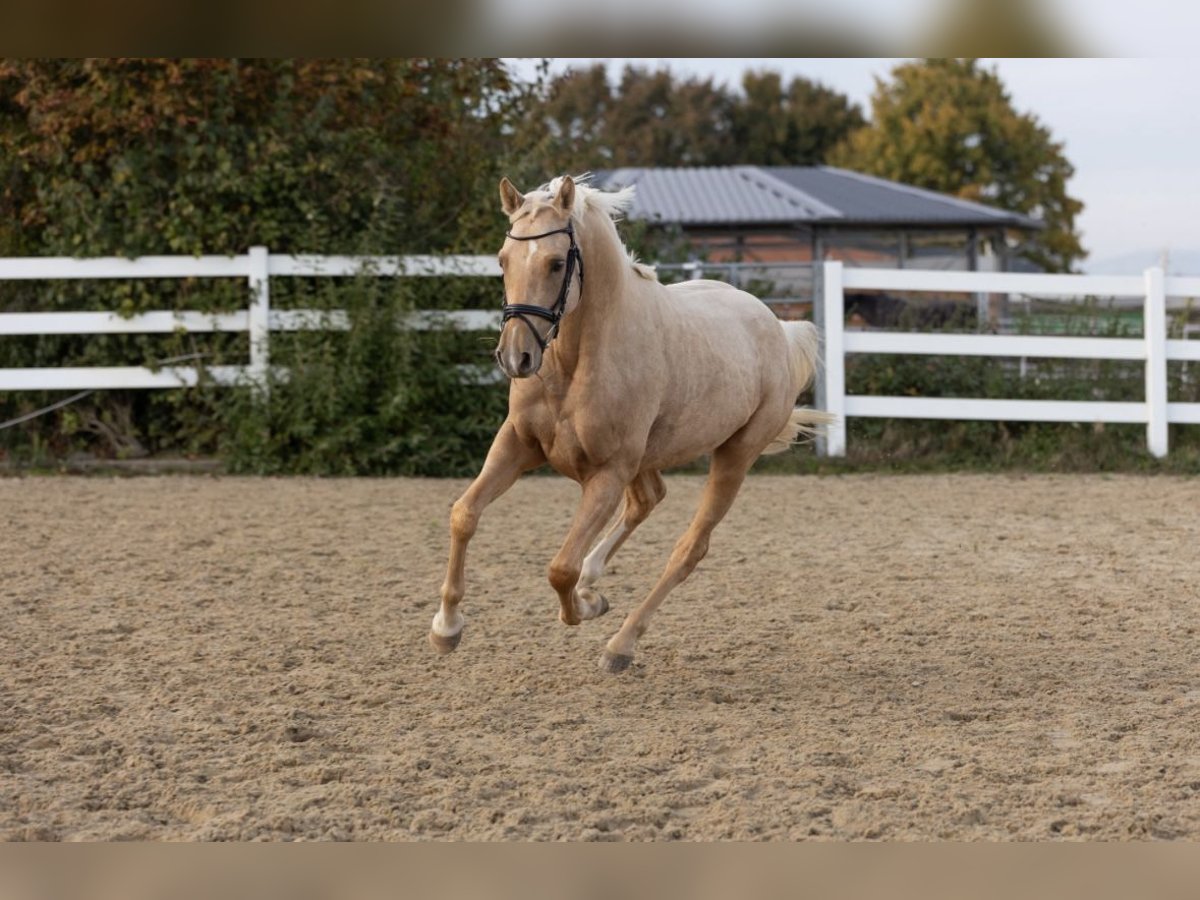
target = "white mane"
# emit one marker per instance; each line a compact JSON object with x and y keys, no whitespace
{"x":613,"y":204}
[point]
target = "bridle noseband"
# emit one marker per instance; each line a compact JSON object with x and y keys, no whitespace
{"x":555,"y":312}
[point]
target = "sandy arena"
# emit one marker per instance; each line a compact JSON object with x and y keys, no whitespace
{"x":919,"y":657}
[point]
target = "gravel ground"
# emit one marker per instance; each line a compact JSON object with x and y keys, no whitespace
{"x":916,"y":657}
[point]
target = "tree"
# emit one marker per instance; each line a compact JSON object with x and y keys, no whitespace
{"x":648,"y":119}
{"x":134,"y":156}
{"x":652,"y":118}
{"x":949,"y":125}
{"x":796,"y":126}
{"x":673,"y":123}
{"x":574,"y":114}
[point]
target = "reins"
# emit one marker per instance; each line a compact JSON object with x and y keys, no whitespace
{"x":555,"y":313}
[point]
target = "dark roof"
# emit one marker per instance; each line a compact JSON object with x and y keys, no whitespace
{"x":791,"y":195}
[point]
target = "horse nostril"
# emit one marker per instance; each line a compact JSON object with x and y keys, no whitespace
{"x":526,"y":363}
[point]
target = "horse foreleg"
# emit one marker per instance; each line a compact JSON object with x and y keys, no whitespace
{"x":644,"y":493}
{"x":601,"y":495}
{"x":508,"y":458}
{"x":725,"y":478}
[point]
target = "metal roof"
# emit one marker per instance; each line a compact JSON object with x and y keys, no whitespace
{"x":795,"y":195}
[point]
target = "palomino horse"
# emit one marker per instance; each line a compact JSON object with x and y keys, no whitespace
{"x":615,"y":378}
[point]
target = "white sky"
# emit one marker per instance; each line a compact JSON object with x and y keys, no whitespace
{"x":1131,"y":128}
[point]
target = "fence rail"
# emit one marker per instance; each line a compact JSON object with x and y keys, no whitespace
{"x":259,"y":321}
{"x":257,"y":266}
{"x":1153,"y":348}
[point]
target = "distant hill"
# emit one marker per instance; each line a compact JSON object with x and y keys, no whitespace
{"x":1180,"y":262}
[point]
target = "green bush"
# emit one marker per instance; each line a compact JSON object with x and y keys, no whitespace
{"x":376,"y":399}
{"x":920,"y":445}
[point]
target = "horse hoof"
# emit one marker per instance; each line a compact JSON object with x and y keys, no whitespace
{"x":444,"y":645}
{"x":589,"y":604}
{"x":614,"y":663}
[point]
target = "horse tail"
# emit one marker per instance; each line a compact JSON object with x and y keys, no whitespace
{"x":804,"y":356}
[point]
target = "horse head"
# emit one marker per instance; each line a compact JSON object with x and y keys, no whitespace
{"x":540,"y":261}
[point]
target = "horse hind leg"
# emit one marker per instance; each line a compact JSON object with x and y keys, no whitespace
{"x":642,"y":495}
{"x":730,"y":463}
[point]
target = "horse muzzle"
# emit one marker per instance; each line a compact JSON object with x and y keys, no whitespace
{"x":518,"y":363}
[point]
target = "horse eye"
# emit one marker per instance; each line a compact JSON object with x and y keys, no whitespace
{"x":556,"y":265}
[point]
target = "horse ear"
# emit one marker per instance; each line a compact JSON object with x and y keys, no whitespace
{"x":510,"y":198}
{"x":566,"y":195}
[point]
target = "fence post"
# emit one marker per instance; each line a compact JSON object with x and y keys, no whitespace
{"x":818,"y":314}
{"x":833,"y":304}
{"x":1154,"y":328}
{"x":260,"y":317}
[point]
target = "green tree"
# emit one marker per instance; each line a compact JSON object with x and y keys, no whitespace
{"x":794,"y":126}
{"x":574,"y":119}
{"x":949,"y":125}
{"x":667,"y":122}
{"x":648,"y":119}
{"x":652,"y":118}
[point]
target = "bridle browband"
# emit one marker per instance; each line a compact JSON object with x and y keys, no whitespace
{"x":555,"y":312}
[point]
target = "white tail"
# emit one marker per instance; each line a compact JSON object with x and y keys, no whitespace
{"x":804,"y":346}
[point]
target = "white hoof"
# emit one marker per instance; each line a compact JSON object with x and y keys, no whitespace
{"x":590,"y":602}
{"x":445,"y":633}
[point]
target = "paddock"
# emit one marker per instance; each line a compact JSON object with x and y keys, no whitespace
{"x":902,"y":657}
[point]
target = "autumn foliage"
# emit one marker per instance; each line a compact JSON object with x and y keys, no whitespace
{"x":158,"y":156}
{"x":209,"y":156}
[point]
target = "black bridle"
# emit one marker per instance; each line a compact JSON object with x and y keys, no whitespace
{"x":555,"y":312}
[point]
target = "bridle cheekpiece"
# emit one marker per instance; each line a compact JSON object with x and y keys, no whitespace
{"x":554,"y":313}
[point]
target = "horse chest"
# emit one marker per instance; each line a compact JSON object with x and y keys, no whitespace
{"x":573,"y":447}
{"x":577,"y":431}
{"x":566,"y":448}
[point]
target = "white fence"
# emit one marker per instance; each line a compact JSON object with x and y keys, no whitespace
{"x":258,"y":266}
{"x":1156,"y":411}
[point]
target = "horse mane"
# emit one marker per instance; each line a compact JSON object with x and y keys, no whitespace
{"x":613,"y":204}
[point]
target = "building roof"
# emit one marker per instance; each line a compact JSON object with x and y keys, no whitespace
{"x":795,"y":195}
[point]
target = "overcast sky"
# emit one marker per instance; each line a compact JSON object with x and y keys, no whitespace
{"x":1131,"y":128}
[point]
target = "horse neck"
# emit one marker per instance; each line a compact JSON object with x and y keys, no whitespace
{"x":602,"y":306}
